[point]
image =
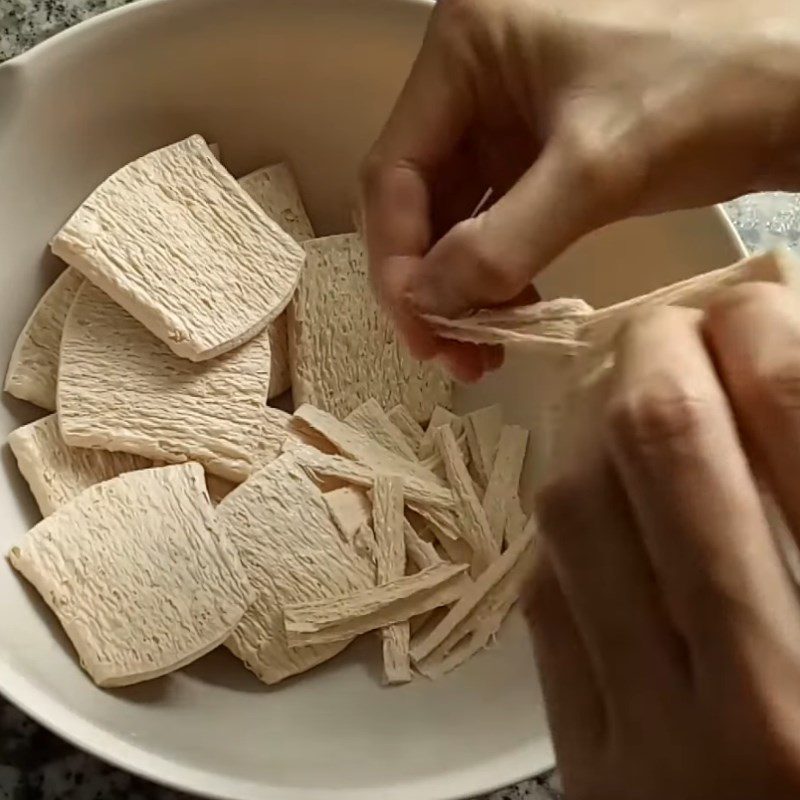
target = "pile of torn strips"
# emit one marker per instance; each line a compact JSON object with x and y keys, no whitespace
{"x":181,"y":511}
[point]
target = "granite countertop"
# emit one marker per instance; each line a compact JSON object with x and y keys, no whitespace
{"x":35,"y":764}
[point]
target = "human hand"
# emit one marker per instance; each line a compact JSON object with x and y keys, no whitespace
{"x":577,"y":114}
{"x":667,"y":628}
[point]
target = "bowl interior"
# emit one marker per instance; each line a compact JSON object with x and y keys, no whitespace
{"x":311,"y":81}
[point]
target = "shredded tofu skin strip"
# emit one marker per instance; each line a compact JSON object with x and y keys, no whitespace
{"x":404,"y":421}
{"x":504,"y":479}
{"x":390,"y":554}
{"x":483,"y":434}
{"x":474,"y":525}
{"x":395,"y":602}
{"x":441,"y":416}
{"x":421,"y":553}
{"x":371,"y":419}
{"x":515,"y":521}
{"x":484,"y":583}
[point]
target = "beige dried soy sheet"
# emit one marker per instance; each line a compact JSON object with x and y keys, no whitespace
{"x":33,"y":369}
{"x":138,"y":573}
{"x":425,"y":496}
{"x":402,"y":419}
{"x":343,"y":349}
{"x":419,"y":552}
{"x":461,"y":616}
{"x":389,"y":604}
{"x":515,"y":521}
{"x":292,"y":553}
{"x":441,"y":416}
{"x":483,"y":436}
{"x":474,"y":526}
{"x":175,"y":240}
{"x":390,"y":559}
{"x":275,"y":190}
{"x":350,"y":509}
{"x":121,"y":389}
{"x":504,"y":480}
{"x":58,"y":473}
{"x":372,"y":420}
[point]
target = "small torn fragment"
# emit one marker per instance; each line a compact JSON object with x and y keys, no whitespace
{"x":483,"y":435}
{"x":474,"y":527}
{"x":371,"y":419}
{"x":341,"y":618}
{"x":504,"y":480}
{"x":390,"y":557}
{"x":350,"y":509}
{"x":441,"y":416}
{"x":420,"y":553}
{"x":403,"y":420}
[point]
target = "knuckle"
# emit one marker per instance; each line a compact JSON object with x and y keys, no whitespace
{"x":662,"y":416}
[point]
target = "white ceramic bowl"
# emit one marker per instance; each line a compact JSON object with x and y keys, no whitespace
{"x":310,"y":80}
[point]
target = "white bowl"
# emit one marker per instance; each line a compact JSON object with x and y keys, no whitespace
{"x":310,"y":80}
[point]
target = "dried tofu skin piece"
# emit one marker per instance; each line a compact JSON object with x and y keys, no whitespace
{"x":390,"y":559}
{"x":459,"y":618}
{"x":419,"y":552}
{"x":275,"y":190}
{"x":515,"y":521}
{"x":401,"y":417}
{"x":433,"y":501}
{"x":483,"y":436}
{"x":292,"y":553}
{"x":121,"y":389}
{"x":372,"y":420}
{"x":33,"y":369}
{"x":350,"y":509}
{"x":335,"y":356}
{"x":474,"y":526}
{"x":357,"y":445}
{"x":441,"y":416}
{"x":503,"y":484}
{"x":391,"y":603}
{"x":175,"y":240}
{"x":58,"y":473}
{"x":100,"y":563}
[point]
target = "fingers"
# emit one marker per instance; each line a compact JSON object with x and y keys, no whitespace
{"x":575,"y":706}
{"x":609,"y":585}
{"x":754,"y":333}
{"x":423,"y":130}
{"x":675,"y":444}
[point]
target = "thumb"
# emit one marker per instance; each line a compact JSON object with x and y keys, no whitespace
{"x":490,"y":259}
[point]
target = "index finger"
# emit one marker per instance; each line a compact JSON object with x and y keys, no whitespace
{"x":422,"y":131}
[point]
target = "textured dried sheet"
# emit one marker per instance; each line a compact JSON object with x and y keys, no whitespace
{"x":372,"y":420}
{"x":390,"y":559}
{"x":275,"y":190}
{"x":267,"y":439}
{"x":350,"y":509}
{"x":389,"y":604}
{"x":122,"y":389}
{"x":504,"y":481}
{"x":407,"y":425}
{"x":515,"y":521}
{"x":58,"y":473}
{"x":361,"y":447}
{"x":483,"y":435}
{"x":292,"y":553}
{"x":425,"y":496}
{"x":475,"y":595}
{"x":441,"y":416}
{"x":338,"y":359}
{"x":138,"y":573}
{"x":474,"y":527}
{"x":175,"y":240}
{"x":420,"y":553}
{"x":33,"y":369}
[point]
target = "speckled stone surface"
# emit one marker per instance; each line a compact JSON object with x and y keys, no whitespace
{"x":36,"y":765}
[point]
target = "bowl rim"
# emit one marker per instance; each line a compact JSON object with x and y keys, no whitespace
{"x":140,"y":761}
